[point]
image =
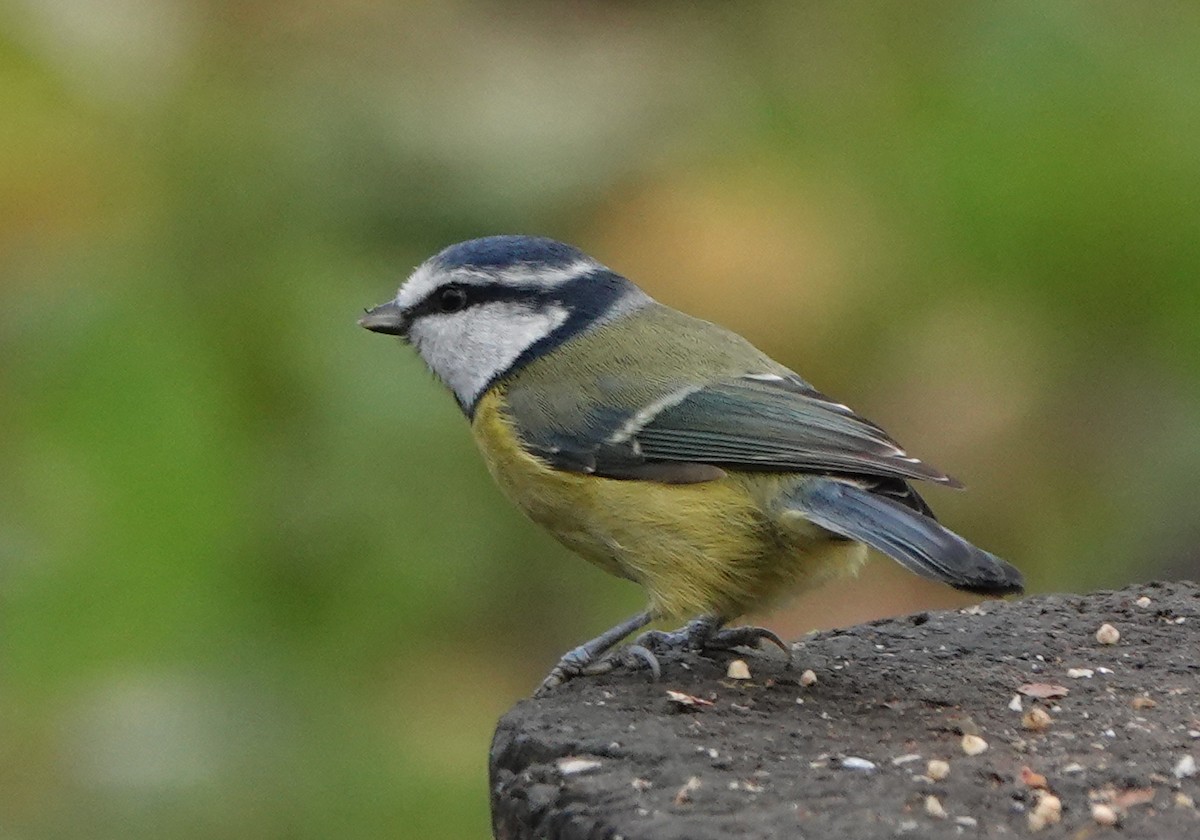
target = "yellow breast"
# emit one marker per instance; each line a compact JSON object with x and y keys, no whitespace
{"x":714,"y":547}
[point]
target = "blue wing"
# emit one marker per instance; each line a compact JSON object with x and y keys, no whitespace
{"x":774,"y":423}
{"x":753,"y":423}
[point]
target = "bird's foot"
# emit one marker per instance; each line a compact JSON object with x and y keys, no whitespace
{"x":597,"y":656}
{"x":707,"y":634}
{"x":728,"y":638}
{"x":580,"y":663}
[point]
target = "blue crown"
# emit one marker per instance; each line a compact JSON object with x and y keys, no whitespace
{"x":504,"y":251}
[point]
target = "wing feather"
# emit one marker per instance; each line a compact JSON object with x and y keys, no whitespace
{"x":776,"y":425}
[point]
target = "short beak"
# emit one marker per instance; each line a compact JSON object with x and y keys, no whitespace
{"x":386,"y":318}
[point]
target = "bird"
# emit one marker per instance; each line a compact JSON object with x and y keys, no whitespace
{"x":665,"y":449}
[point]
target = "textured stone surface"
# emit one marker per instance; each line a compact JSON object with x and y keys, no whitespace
{"x":773,"y":758}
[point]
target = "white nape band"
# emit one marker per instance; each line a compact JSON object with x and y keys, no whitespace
{"x":544,"y":276}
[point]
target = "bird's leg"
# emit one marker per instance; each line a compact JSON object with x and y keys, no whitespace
{"x":708,"y":633}
{"x":589,"y":658}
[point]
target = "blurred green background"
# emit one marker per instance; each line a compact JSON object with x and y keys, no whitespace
{"x":254,"y":581}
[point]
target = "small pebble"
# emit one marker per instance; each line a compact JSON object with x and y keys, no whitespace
{"x":1080,"y":673}
{"x":1104,"y":815}
{"x":1108,"y":635}
{"x":571,"y":765}
{"x":973,"y":744}
{"x":933,"y":807}
{"x":1014,"y":705}
{"x":1143,"y":602}
{"x":1143,"y":702}
{"x":1073,"y":767}
{"x":1032,"y":780}
{"x":1185,"y":768}
{"x":853,"y":762}
{"x":966,"y":822}
{"x":937,"y":769}
{"x":738,"y":670}
{"x":642,"y":785}
{"x":748,"y":786}
{"x":907,"y":758}
{"x":808,"y":678}
{"x":1182,"y":800}
{"x":1036,"y":719}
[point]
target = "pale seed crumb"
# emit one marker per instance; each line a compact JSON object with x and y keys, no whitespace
{"x":1143,"y":702}
{"x":572,"y":765}
{"x":738,"y":670}
{"x":1048,"y":811}
{"x":686,"y":701}
{"x":640,"y":784}
{"x":1182,"y":800}
{"x":1080,"y":673}
{"x":933,"y":807}
{"x":684,"y":794}
{"x":1185,"y":768}
{"x":937,"y":769}
{"x":808,"y":678}
{"x":973,"y":744}
{"x":1050,"y":804}
{"x":1108,"y":635}
{"x":853,"y":762}
{"x":1143,"y":602}
{"x":1036,"y":719}
{"x":1104,"y":815}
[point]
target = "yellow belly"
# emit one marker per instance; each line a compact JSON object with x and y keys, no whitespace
{"x":709,"y":548}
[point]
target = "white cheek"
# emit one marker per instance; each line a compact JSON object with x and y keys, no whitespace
{"x":468,"y":349}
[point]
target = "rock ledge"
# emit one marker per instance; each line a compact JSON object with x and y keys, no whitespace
{"x":847,"y":756}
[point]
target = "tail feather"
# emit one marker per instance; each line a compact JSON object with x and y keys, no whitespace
{"x":917,"y":542}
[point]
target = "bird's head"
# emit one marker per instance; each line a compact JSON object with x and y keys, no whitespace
{"x":479,"y":310}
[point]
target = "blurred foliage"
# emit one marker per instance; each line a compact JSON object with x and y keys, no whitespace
{"x":255,"y":581}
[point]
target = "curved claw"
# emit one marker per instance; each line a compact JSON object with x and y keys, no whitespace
{"x":635,"y":653}
{"x":554,"y":679}
{"x":748,"y":636}
{"x":634,"y":657}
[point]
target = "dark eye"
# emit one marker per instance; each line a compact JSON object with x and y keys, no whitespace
{"x":452,"y":299}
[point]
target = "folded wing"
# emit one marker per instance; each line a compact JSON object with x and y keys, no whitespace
{"x":755,"y":422}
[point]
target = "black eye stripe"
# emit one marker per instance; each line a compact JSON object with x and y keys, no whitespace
{"x":472,"y":295}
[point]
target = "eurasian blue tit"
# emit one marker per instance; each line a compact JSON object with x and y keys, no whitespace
{"x":663,"y":448}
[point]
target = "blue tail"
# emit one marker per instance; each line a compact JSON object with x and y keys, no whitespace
{"x":915,"y":541}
